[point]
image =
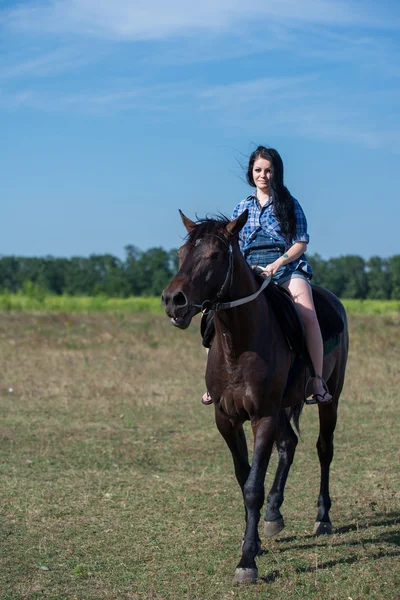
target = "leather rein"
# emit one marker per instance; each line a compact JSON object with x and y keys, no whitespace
{"x":207,"y":305}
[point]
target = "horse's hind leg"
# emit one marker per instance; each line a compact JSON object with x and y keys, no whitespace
{"x":327,"y":422}
{"x":286,"y":443}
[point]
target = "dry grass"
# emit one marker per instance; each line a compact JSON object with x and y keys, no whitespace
{"x":116,"y":483}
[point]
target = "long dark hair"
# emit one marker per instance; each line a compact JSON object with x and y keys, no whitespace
{"x":281,"y":197}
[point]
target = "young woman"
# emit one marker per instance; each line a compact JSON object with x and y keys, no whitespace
{"x":275,"y":236}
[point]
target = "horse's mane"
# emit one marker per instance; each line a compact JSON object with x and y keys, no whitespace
{"x":206,"y":226}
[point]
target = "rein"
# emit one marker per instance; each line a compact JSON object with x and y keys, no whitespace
{"x":207,"y":305}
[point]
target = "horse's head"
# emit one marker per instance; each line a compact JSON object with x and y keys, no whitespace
{"x":205,"y":267}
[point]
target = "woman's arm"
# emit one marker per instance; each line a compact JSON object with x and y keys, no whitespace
{"x":293,"y":253}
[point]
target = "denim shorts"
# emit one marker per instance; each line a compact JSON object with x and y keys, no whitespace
{"x":266,"y":256}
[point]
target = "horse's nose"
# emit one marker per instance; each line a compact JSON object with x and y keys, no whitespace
{"x":179,"y":299}
{"x":164,"y":298}
{"x":175,"y":299}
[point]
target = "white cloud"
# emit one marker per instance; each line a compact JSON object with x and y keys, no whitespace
{"x":158,"y":19}
{"x":255,"y":93}
{"x":291,"y":106}
{"x":303,"y":107}
{"x":212,"y":31}
{"x":44,"y":64}
{"x":110,"y":99}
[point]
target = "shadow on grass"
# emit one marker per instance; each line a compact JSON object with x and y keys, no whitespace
{"x":390,"y":537}
{"x":376,"y":520}
{"x":274,"y":575}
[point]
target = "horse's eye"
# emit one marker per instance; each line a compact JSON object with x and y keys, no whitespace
{"x":215,"y":255}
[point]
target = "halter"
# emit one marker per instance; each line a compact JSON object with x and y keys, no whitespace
{"x":207,"y":305}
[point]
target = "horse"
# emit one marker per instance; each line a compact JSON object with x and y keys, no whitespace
{"x":247,"y":374}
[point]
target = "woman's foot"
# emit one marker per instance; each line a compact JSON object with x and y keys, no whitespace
{"x":206,"y":399}
{"x":322,"y":398}
{"x":320,"y":393}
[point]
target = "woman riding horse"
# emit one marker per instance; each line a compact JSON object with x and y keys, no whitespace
{"x":275,"y":236}
{"x":250,"y":363}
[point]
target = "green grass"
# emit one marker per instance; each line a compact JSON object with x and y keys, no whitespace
{"x":79,"y":304}
{"x":372,"y":307}
{"x":37,"y":302}
{"x":116,"y":484}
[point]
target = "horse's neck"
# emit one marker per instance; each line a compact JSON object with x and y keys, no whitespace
{"x":238,"y":326}
{"x":243,"y":282}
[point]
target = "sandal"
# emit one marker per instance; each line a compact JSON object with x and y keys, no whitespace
{"x":317,"y":398}
{"x":206,"y":399}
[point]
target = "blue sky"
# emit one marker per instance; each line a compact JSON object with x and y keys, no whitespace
{"x":115,"y":114}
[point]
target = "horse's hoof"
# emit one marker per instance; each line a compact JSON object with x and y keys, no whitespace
{"x":273,"y":527}
{"x":246,"y":575}
{"x":322,"y":528}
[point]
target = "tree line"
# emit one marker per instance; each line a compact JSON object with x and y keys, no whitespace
{"x":147,"y":273}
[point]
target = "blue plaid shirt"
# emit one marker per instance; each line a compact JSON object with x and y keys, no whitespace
{"x":263,"y":221}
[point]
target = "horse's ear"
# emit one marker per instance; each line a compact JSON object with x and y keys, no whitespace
{"x":187,"y":222}
{"x":236,"y":225}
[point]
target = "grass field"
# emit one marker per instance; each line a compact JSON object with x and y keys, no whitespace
{"x":39,"y":301}
{"x":116,"y":484}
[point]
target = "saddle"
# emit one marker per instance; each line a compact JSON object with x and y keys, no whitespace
{"x":330,"y":321}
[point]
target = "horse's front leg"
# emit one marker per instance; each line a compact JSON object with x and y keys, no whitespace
{"x":236,"y":440}
{"x":264,"y":435}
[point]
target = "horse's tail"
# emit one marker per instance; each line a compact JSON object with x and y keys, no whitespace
{"x":293,"y":413}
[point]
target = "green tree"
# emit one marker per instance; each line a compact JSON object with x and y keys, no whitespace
{"x":331,"y":276}
{"x":355,"y":277}
{"x":379,"y":279}
{"x":132,"y":268}
{"x":147,"y":273}
{"x":107,"y":275}
{"x":9,"y":274}
{"x":394,"y":270}
{"x":154,"y":271}
{"x":319,"y":266}
{"x":78,"y":279}
{"x":173,"y":260}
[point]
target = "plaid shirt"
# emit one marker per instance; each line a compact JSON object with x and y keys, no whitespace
{"x":263,"y":221}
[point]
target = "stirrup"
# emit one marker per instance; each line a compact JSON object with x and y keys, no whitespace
{"x":208,"y":401}
{"x":313,"y":398}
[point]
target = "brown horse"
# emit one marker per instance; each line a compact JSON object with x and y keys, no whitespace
{"x":247,"y":374}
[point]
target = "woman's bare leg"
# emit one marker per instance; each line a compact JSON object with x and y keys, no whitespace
{"x":301,"y":292}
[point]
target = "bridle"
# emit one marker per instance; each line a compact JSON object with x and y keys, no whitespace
{"x":208,"y":305}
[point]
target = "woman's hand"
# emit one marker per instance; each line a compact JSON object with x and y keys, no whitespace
{"x":270,"y":270}
{"x":273,"y":267}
